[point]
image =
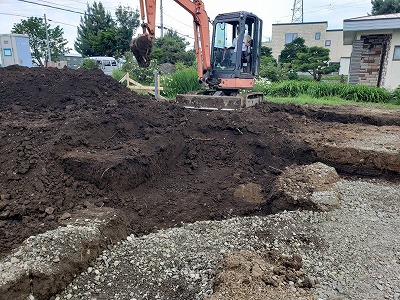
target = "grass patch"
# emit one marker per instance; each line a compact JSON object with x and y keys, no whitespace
{"x":306,"y":99}
{"x":180,"y":82}
{"x":357,"y":93}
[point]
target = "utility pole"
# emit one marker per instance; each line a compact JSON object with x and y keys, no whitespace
{"x":161,"y":19}
{"x":47,"y":42}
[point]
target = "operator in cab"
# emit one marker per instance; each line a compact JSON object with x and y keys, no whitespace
{"x":246,"y":45}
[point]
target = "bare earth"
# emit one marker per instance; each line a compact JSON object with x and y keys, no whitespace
{"x":74,"y":141}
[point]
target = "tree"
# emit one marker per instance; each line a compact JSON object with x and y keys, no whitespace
{"x":35,"y":28}
{"x":96,"y":32}
{"x":382,"y":7}
{"x":142,"y":75}
{"x":312,"y":60}
{"x":269,"y":68}
{"x":291,"y":49}
{"x":127,"y":22}
{"x":172,"y":49}
{"x":266,"y":51}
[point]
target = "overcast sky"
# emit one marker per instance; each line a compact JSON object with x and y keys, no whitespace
{"x":272,"y":12}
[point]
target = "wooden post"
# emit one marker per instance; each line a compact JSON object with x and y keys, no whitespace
{"x":156,"y":85}
{"x":133,"y":85}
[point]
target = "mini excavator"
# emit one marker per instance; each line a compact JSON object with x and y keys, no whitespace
{"x":226,"y":65}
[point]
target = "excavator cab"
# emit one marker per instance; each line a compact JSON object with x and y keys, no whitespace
{"x":236,"y":48}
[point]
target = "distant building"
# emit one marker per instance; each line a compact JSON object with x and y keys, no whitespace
{"x":314,"y":34}
{"x":15,"y":50}
{"x":375,"y":57}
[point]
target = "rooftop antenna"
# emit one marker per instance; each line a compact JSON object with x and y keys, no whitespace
{"x":297,"y":15}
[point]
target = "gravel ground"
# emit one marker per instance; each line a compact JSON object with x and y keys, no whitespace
{"x":352,"y":252}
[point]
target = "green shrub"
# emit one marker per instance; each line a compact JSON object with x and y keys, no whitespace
{"x":396,"y":92}
{"x":363,"y":93}
{"x":117,"y":74}
{"x":144,"y":76}
{"x":396,"y":96}
{"x":89,"y":64}
{"x":180,"y":82}
{"x":305,"y":78}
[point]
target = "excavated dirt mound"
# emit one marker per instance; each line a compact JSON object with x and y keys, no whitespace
{"x":72,"y":139}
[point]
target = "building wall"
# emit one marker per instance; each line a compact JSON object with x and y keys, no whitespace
{"x":344,"y":66}
{"x":306,"y":31}
{"x":376,"y":66}
{"x":337,"y":49}
{"x":392,"y":78}
{"x":373,"y":64}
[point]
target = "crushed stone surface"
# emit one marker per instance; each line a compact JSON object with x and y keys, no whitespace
{"x":352,"y":252}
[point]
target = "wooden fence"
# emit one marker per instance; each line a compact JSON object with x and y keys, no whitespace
{"x":136,"y":86}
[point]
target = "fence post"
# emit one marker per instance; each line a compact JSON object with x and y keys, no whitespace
{"x":156,"y":91}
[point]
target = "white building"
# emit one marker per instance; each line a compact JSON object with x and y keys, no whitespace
{"x":375,"y":57}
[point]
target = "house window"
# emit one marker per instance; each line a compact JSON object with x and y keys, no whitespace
{"x":318,"y":36}
{"x":396,"y":53}
{"x":289,"y":37}
{"x":327,"y":43}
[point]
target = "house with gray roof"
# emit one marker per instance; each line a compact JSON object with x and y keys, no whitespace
{"x":375,"y":56}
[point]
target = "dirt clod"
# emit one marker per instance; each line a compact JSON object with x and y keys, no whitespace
{"x":261,"y":276}
{"x":305,"y":187}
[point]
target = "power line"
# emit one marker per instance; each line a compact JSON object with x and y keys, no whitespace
{"x":178,"y":21}
{"x":23,"y":16}
{"x":59,"y":8}
{"x":177,"y":32}
{"x":56,"y":3}
{"x":15,"y":15}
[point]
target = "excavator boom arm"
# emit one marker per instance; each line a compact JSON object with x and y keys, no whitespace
{"x":141,"y":48}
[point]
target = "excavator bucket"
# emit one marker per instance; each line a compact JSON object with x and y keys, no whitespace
{"x":218,"y":102}
{"x":141,"y":49}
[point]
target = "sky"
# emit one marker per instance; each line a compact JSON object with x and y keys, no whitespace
{"x":68,"y":15}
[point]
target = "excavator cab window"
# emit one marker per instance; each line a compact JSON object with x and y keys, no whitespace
{"x":236,"y":44}
{"x":224,"y":50}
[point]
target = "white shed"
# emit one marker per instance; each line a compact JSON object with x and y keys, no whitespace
{"x":15,"y":50}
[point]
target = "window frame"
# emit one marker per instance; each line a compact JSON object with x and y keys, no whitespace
{"x":328,"y":43}
{"x":317,"y":36}
{"x":292,"y":35}
{"x":396,"y":53}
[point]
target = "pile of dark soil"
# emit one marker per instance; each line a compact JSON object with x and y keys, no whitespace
{"x":78,"y":139}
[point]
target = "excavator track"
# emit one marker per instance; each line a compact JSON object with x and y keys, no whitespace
{"x":204,"y":101}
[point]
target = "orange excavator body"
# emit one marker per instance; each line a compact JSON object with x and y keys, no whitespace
{"x":224,"y":76}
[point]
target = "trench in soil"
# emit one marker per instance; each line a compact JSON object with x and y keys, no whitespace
{"x":73,"y":140}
